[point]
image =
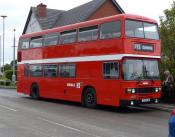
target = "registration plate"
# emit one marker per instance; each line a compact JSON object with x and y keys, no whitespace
{"x":146,"y":100}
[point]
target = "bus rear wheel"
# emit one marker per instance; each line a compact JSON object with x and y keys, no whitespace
{"x":34,"y":91}
{"x":89,"y":98}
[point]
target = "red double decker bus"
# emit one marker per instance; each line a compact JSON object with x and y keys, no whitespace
{"x":109,"y":61}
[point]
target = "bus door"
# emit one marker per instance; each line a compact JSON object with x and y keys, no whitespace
{"x":26,"y":78}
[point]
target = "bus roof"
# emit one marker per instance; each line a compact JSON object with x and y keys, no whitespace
{"x":90,"y":23}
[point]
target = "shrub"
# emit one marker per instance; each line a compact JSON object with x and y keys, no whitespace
{"x":8,"y":74}
{"x":7,"y":82}
{"x":2,"y":82}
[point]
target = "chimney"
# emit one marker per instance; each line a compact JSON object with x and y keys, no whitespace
{"x":41,"y":10}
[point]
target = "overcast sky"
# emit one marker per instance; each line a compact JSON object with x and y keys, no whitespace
{"x":17,"y":12}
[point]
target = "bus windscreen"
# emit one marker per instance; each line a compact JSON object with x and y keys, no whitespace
{"x":140,"y":29}
{"x":138,"y":69}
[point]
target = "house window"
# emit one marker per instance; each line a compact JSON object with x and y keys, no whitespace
{"x":110,"y":70}
{"x":88,"y":33}
{"x":68,"y":37}
{"x":50,"y":70}
{"x":36,"y":42}
{"x":110,"y":30}
{"x":36,"y":70}
{"x":51,"y":39}
{"x":24,"y":44}
{"x":67,"y":70}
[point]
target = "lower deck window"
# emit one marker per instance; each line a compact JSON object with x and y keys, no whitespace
{"x":110,"y":70}
{"x":50,"y":70}
{"x":36,"y":70}
{"x":67,"y":70}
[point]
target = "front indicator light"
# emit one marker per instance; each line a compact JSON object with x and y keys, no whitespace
{"x":129,"y":90}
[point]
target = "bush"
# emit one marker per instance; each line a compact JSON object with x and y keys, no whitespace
{"x":2,"y":82}
{"x":8,"y":74}
{"x":5,"y":82}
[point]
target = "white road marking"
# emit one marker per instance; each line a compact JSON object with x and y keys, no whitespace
{"x":8,"y":108}
{"x":68,"y":127}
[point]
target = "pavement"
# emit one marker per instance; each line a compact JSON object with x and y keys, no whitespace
{"x":20,"y":116}
{"x":161,"y":106}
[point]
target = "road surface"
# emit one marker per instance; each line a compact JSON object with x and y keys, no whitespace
{"x":21,"y":116}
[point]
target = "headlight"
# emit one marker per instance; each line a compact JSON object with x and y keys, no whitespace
{"x":158,"y":89}
{"x":133,"y":91}
{"x":130,"y":91}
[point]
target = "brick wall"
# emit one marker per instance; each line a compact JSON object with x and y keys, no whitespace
{"x":107,"y":9}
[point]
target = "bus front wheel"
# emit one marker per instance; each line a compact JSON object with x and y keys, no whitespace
{"x":89,"y":98}
{"x":34,"y":91}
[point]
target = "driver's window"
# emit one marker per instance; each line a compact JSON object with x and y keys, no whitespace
{"x":111,"y":70}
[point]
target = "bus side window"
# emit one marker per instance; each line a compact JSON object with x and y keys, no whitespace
{"x":88,"y":33}
{"x":67,"y":70}
{"x":36,"y":42}
{"x":69,"y":36}
{"x":26,"y":70}
{"x":36,"y":70}
{"x":23,"y":44}
{"x":51,"y":39}
{"x":110,"y":70}
{"x":110,"y":30}
{"x":50,"y":70}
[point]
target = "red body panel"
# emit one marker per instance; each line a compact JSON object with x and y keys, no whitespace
{"x":109,"y":92}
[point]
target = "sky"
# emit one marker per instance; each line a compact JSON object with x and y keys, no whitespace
{"x":17,"y":12}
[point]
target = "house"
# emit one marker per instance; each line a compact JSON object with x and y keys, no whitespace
{"x":41,"y":18}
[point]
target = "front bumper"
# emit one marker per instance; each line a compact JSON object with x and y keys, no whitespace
{"x":138,"y":102}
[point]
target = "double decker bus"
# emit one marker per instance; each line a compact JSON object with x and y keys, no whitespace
{"x":108,"y":61}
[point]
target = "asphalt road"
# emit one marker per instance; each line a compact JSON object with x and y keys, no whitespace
{"x":21,"y":116}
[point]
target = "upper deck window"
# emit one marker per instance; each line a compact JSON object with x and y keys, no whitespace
{"x":110,"y":30}
{"x":51,"y":39}
{"x":36,"y":42}
{"x":68,"y":37}
{"x":88,"y":33}
{"x":24,"y":44}
{"x":140,"y":29}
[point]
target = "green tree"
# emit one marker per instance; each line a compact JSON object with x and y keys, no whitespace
{"x":7,"y":67}
{"x":8,"y":74}
{"x":167,"y":33}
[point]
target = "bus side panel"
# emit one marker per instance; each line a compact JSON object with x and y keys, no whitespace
{"x":107,"y":90}
{"x":51,"y":88}
{"x":20,"y":78}
{"x":22,"y":84}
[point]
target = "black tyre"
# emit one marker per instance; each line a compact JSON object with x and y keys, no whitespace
{"x":34,"y":91}
{"x":89,"y":98}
